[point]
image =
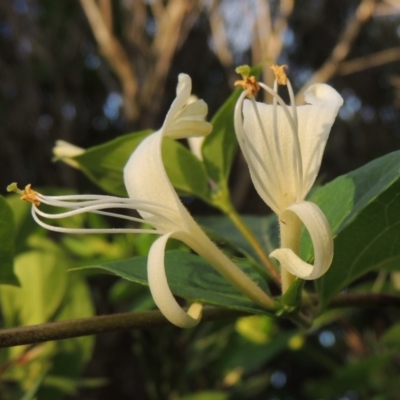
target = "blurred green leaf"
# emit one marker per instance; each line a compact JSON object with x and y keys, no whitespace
{"x":104,"y":165}
{"x":31,"y":393}
{"x":192,"y":278}
{"x":264,"y":228}
{"x":70,"y":356}
{"x":391,"y":337}
{"x":7,"y":243}
{"x":364,"y":377}
{"x":207,"y":395}
{"x":362,"y":208}
{"x":24,"y":223}
{"x":219,"y":147}
{"x":185,"y":171}
{"x":35,"y":302}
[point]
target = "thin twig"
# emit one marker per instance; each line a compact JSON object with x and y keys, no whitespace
{"x":363,"y":13}
{"x":115,"y":55}
{"x":219,"y":36}
{"x":369,"y":61}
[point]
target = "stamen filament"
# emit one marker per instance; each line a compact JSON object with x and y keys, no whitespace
{"x":296,"y":148}
{"x":90,"y":230}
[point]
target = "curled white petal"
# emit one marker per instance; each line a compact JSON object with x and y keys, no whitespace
{"x":161,"y":292}
{"x":315,"y":121}
{"x":321,"y":237}
{"x":145,"y":177}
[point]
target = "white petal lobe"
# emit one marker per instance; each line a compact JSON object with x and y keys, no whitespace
{"x":321,"y":236}
{"x":161,"y":292}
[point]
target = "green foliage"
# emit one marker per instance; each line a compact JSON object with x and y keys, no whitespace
{"x":220,"y":146}
{"x":7,"y":244}
{"x":190,"y":277}
{"x":104,"y":165}
{"x":362,"y":208}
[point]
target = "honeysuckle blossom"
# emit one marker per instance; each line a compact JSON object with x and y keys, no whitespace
{"x":65,"y":151}
{"x":152,"y":195}
{"x":283,"y":146}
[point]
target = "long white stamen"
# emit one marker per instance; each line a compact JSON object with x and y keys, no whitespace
{"x":90,"y":206}
{"x":296,"y":141}
{"x":89,"y":230}
{"x":276,"y":181}
{"x":295,"y":119}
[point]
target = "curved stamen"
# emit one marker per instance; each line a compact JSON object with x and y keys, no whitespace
{"x":296,"y":141}
{"x":276,"y":180}
{"x":89,"y":230}
{"x":96,"y":210}
{"x":152,"y":208}
{"x":296,"y":122}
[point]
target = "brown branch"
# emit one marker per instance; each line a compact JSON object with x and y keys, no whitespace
{"x":95,"y":325}
{"x":219,"y":36}
{"x":268,"y":33}
{"x":363,"y":13}
{"x":370,"y":61}
{"x":365,"y":300}
{"x":150,"y":319}
{"x":169,"y":26}
{"x":116,"y":56}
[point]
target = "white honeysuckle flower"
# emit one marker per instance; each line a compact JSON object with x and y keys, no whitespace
{"x":64,"y":151}
{"x":152,"y":195}
{"x":283,"y":146}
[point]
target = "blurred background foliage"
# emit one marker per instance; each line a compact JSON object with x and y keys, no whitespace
{"x":91,"y":70}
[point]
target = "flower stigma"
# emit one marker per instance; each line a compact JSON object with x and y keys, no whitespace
{"x":27,"y":194}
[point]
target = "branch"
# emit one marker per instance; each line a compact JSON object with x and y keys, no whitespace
{"x":219,"y":36}
{"x":115,"y":55}
{"x":149,"y":319}
{"x":169,"y":27}
{"x":365,"y":300}
{"x":363,"y":13}
{"x":100,"y":324}
{"x":370,"y":61}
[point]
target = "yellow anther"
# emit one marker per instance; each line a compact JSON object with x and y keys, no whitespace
{"x":30,"y":195}
{"x":280,"y":74}
{"x":248,"y":83}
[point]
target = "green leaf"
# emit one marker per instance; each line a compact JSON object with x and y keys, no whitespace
{"x":192,"y":278}
{"x":185,"y":171}
{"x":219,"y":147}
{"x":207,"y":395}
{"x":104,"y":165}
{"x":266,"y":229}
{"x":36,"y":300}
{"x":7,"y":243}
{"x":71,"y":355}
{"x":363,"y":210}
{"x":391,"y":338}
